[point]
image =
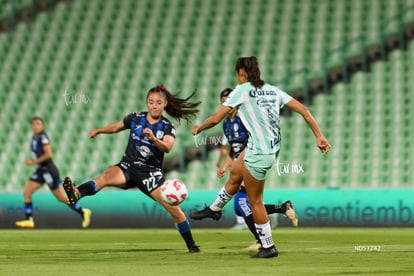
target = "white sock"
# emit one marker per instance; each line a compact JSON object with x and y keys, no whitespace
{"x":221,"y":200}
{"x":240,"y":220}
{"x":265,"y":233}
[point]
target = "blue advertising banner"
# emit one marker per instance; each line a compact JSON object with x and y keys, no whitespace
{"x":120,"y":209}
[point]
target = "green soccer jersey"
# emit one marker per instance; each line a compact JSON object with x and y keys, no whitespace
{"x":259,"y":111}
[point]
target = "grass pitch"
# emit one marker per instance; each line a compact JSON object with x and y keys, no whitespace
{"x":303,"y":251}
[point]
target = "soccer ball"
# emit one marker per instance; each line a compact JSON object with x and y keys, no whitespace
{"x":173,"y":191}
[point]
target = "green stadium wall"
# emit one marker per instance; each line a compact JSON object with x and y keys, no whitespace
{"x":130,"y":209}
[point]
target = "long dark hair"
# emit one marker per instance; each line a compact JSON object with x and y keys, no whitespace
{"x":251,"y":66}
{"x":177,"y":107}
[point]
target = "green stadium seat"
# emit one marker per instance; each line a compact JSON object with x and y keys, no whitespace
{"x":118,"y":50}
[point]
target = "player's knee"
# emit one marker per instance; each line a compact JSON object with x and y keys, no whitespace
{"x":255,"y":201}
{"x":103,"y":179}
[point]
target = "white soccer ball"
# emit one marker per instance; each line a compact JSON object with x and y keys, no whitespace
{"x":173,"y":191}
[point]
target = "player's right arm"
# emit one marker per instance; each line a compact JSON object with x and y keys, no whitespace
{"x":212,"y":120}
{"x":111,"y":128}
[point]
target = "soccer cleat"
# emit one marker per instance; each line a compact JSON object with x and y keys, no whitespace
{"x":28,"y":223}
{"x":290,"y":213}
{"x":206,"y":213}
{"x":86,"y":218}
{"x":194,"y":249}
{"x":270,"y":252}
{"x":71,"y":191}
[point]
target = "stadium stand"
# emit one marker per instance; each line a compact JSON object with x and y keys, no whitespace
{"x":369,"y":127}
{"x":88,"y":63}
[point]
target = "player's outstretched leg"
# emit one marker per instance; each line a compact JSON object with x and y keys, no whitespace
{"x":205,"y":213}
{"x":290,"y":213}
{"x":71,"y":191}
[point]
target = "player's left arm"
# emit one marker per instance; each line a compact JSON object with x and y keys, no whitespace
{"x":47,"y":155}
{"x":223,"y":151}
{"x":226,"y":165}
{"x":321,"y":142}
{"x":212,"y":120}
{"x":164,"y":145}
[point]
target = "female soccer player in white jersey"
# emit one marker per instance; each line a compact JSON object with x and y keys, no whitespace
{"x":237,"y":135}
{"x":258,"y":105}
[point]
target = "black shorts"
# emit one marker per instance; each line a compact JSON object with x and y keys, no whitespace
{"x":47,"y":174}
{"x":137,"y":176}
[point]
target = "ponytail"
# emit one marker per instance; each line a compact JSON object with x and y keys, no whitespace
{"x":177,"y":107}
{"x":251,"y":66}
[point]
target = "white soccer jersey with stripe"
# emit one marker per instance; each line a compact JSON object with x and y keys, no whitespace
{"x":259,"y":111}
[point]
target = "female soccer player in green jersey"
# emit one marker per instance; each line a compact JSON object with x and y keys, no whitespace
{"x":259,"y":105}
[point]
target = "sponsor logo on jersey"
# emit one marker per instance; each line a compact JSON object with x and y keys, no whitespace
{"x":160,"y":134}
{"x":145,"y":151}
{"x":254,"y":93}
